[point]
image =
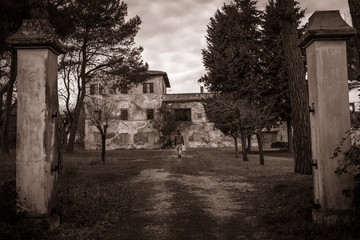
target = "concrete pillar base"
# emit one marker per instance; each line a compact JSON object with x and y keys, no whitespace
{"x":332,"y":217}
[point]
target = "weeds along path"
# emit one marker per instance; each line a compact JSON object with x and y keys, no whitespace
{"x":194,"y":197}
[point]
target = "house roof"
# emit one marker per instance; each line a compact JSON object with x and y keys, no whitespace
{"x":186,"y":97}
{"x":159,"y":73}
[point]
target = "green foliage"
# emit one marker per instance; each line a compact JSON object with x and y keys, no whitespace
{"x":101,"y":47}
{"x":275,"y":85}
{"x":165,"y":123}
{"x":352,"y":60}
{"x":233,"y":47}
{"x":351,"y":161}
{"x":279,"y":145}
{"x":12,"y":12}
{"x":350,"y":164}
{"x":101,"y":44}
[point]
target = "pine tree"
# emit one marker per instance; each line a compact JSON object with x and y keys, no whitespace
{"x":233,"y":48}
{"x":354,"y":7}
{"x":231,"y":60}
{"x":275,"y":79}
{"x":101,"y":46}
{"x":297,"y":86}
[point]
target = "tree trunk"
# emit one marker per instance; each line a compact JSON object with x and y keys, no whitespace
{"x":354,"y":6}
{"x":1,"y":117}
{"x":79,"y":104}
{"x":236,"y":147}
{"x":103,"y":147}
{"x":297,"y":86}
{"x":249,"y":142}
{"x":3,"y":89}
{"x":103,"y":142}
{"x":261,"y":152}
{"x":243,"y":146}
{"x":8,"y":102}
{"x":74,"y":125}
{"x":290,"y":136}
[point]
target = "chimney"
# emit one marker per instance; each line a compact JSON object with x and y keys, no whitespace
{"x":201,"y":89}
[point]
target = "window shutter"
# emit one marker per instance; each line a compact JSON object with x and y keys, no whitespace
{"x":151,"y":87}
{"x":101,"y":89}
{"x":150,"y":114}
{"x":124,"y":114}
{"x":124,"y":90}
{"x":97,"y":115}
{"x":92,"y":89}
{"x":144,"y":88}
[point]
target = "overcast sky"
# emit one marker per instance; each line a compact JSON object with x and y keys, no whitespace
{"x":173,"y":33}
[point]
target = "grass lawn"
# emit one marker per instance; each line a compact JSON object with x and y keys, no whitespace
{"x":152,"y":194}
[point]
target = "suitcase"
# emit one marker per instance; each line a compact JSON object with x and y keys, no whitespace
{"x":183,"y":147}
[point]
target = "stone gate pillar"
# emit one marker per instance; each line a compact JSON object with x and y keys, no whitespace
{"x":37,"y":106}
{"x":325,"y":43}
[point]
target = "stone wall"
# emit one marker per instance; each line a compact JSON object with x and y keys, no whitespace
{"x":198,"y":133}
{"x":139,"y":133}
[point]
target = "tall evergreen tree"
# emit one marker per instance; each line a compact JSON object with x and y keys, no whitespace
{"x":275,"y":79}
{"x":297,"y":85}
{"x":231,"y":57}
{"x":354,"y":7}
{"x":233,"y":48}
{"x":353,"y":44}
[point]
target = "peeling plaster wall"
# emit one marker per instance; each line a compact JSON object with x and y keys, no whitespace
{"x":137,"y":132}
{"x":199,"y":133}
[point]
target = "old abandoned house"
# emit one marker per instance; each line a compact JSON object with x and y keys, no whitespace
{"x":146,"y":117}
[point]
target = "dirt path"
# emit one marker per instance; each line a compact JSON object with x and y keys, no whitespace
{"x":153,"y":195}
{"x":189,"y":198}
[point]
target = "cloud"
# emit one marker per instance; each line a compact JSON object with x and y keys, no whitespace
{"x":173,"y":34}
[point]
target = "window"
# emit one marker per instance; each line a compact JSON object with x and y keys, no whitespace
{"x":150,"y":114}
{"x":124,"y":114}
{"x":97,"y":115}
{"x":96,"y":88}
{"x":148,"y":88}
{"x":101,"y":89}
{"x":112,"y":89}
{"x":352,"y":107}
{"x":124,"y":90}
{"x":183,"y":115}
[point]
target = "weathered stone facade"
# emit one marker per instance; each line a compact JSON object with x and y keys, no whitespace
{"x":137,"y":131}
{"x":140,"y":131}
{"x":198,"y":132}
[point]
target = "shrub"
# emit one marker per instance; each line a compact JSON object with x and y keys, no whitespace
{"x":279,"y":145}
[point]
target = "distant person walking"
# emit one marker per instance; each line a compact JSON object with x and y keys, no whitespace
{"x":179,"y":141}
